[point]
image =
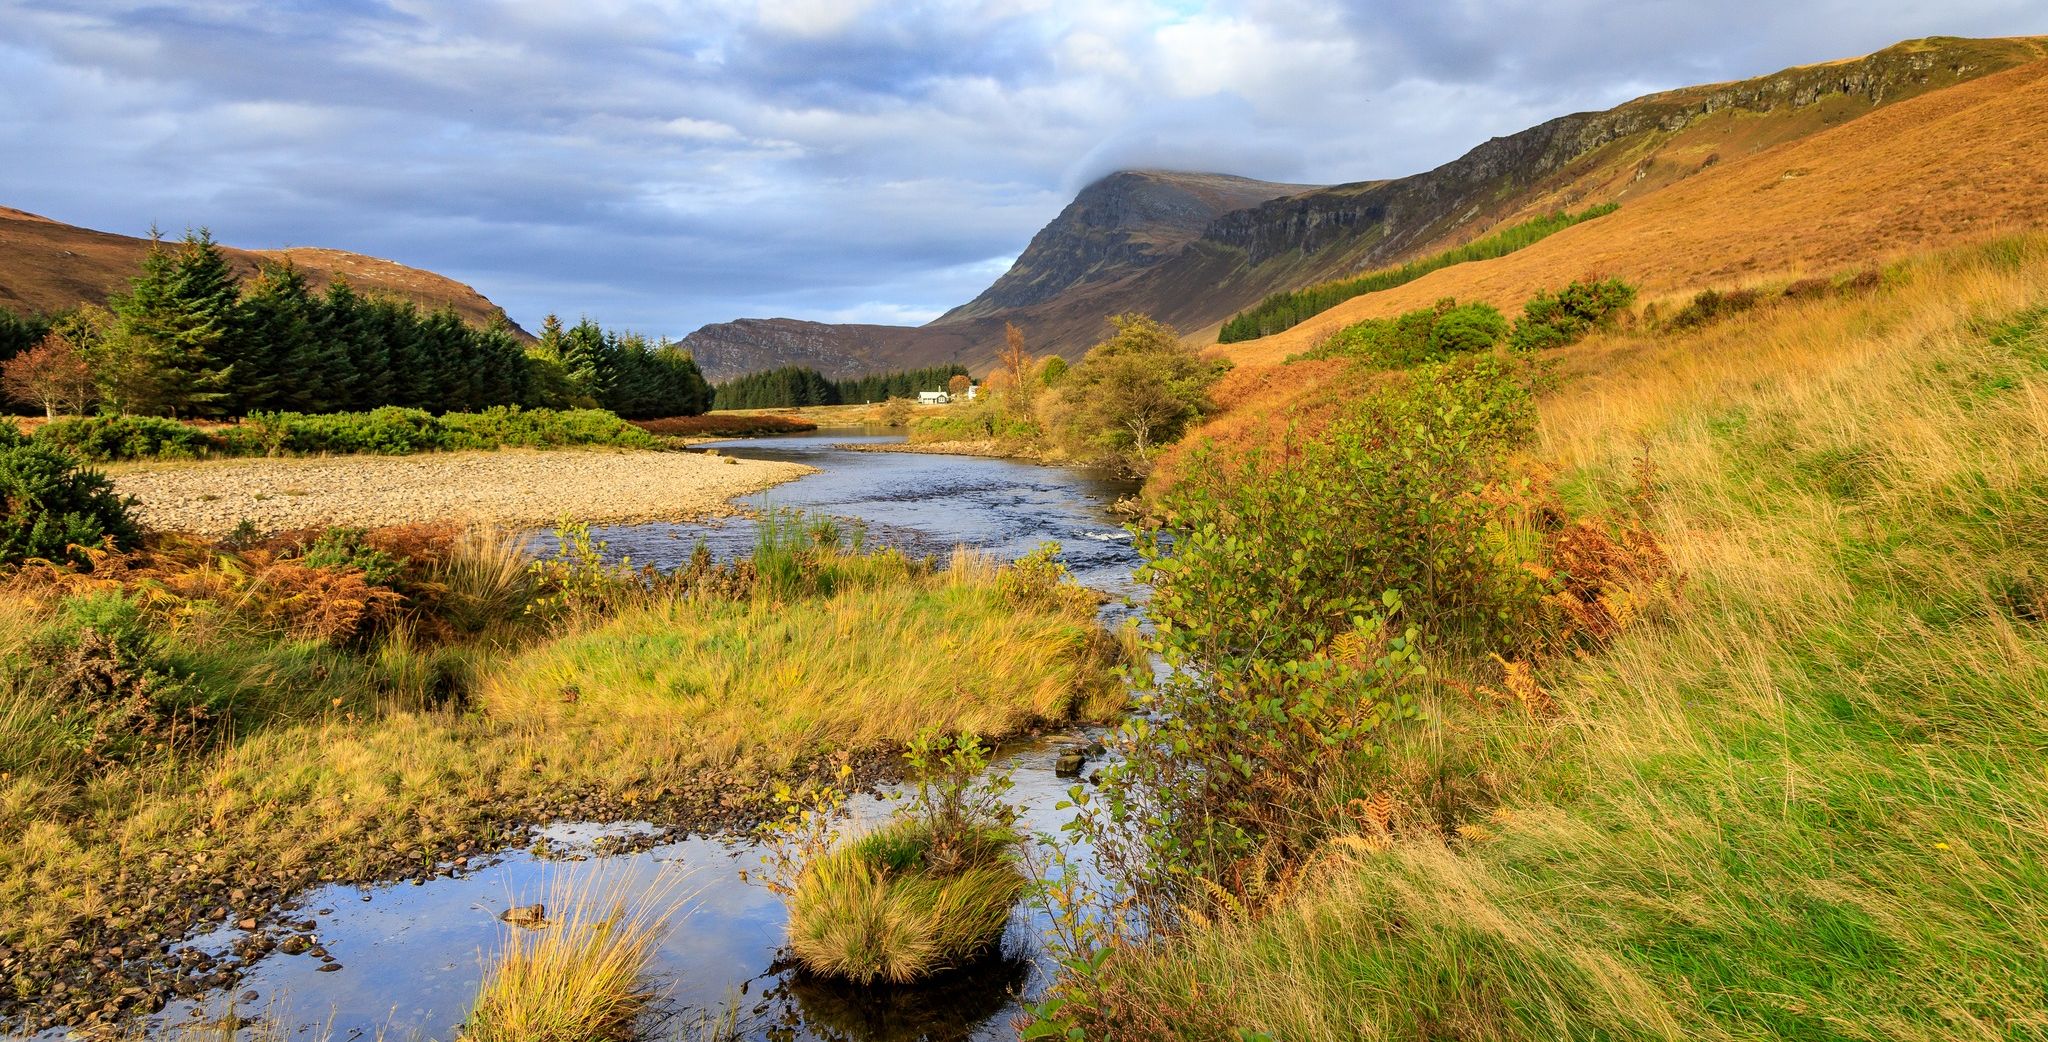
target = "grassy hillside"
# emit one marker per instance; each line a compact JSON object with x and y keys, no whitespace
{"x":1809,"y":803}
{"x":1945,"y":167}
{"x":1952,"y":166}
{"x":47,"y":266}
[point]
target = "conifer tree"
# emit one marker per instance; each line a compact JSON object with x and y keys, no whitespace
{"x":173,"y":349}
{"x":283,"y":363}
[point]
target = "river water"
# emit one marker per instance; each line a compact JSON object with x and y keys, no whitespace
{"x":411,"y":956}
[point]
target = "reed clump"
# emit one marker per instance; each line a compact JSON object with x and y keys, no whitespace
{"x":929,"y":890}
{"x":578,"y":976}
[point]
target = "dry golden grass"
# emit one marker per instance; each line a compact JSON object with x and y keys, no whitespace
{"x":1809,"y":806}
{"x":47,"y":266}
{"x":580,"y":977}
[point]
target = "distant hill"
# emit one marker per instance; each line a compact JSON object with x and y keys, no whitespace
{"x":48,"y":266}
{"x":1087,"y":265}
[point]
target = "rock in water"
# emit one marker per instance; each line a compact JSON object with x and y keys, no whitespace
{"x":533,"y":916}
{"x":1070,"y":763}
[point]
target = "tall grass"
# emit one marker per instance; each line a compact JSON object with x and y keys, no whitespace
{"x":579,"y":978}
{"x":855,"y":916}
{"x":354,"y":761}
{"x":1809,"y":807}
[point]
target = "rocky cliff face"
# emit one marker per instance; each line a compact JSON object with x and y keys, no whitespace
{"x":749,"y":345}
{"x":1116,"y":227}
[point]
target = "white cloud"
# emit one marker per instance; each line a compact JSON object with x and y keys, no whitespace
{"x":665,"y":164}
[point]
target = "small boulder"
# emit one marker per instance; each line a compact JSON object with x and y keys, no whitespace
{"x":532,"y":916}
{"x":1070,"y":763}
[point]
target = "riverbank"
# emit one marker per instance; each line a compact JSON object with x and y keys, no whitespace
{"x":573,"y":692}
{"x":985,"y":448}
{"x":508,"y":487}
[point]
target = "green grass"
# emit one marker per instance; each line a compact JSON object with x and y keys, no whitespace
{"x":337,"y":765}
{"x":766,"y":681}
{"x":1286,"y":310}
{"x":1814,"y":804}
{"x":869,"y":911}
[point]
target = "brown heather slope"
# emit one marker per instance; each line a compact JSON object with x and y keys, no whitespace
{"x":47,"y":266}
{"x":1949,"y":167}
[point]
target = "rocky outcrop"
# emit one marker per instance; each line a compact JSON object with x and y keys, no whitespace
{"x":749,"y":345}
{"x":1118,"y":226}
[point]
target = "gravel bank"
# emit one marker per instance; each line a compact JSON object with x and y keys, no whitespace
{"x":514,"y":487}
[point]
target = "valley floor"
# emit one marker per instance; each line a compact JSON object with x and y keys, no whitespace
{"x":510,"y":487}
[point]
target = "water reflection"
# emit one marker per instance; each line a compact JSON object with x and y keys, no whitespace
{"x":412,"y":956}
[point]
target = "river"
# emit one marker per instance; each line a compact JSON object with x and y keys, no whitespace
{"x":411,"y":956}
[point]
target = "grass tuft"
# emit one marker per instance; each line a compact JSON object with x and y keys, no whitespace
{"x":871,"y":911}
{"x":578,"y":978}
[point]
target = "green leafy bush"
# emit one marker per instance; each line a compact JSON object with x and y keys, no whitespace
{"x":1554,"y":319}
{"x":51,"y":504}
{"x":978,"y":421}
{"x":1291,"y":595}
{"x":112,"y":694}
{"x":389,"y":431}
{"x":345,"y":548}
{"x":107,"y":439}
{"x":1426,"y":334}
{"x":1712,"y":305}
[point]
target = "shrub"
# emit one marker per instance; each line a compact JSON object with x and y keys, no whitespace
{"x":53,"y":505}
{"x":977,"y":421}
{"x":345,"y":549}
{"x":1426,"y":334}
{"x":1555,"y":319}
{"x":106,"y":439}
{"x":1711,"y":305}
{"x":1275,"y":593}
{"x":1136,"y":391}
{"x":105,"y":680}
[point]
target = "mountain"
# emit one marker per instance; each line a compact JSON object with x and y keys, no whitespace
{"x":1941,"y":169}
{"x":1121,"y":224}
{"x":1116,"y":227}
{"x":48,"y":266}
{"x":1129,"y":242}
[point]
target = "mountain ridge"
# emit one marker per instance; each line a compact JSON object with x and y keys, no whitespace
{"x":1628,"y":152}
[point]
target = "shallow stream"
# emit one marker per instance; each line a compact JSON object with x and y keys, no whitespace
{"x":411,"y":956}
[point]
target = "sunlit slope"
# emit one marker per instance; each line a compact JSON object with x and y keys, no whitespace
{"x":1942,"y":168}
{"x":47,"y":266}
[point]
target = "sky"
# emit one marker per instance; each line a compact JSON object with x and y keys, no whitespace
{"x":660,"y":166}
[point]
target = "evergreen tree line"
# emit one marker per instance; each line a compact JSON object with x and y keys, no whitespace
{"x":1286,"y":310}
{"x":188,"y":340}
{"x":793,"y":386}
{"x":589,"y":365}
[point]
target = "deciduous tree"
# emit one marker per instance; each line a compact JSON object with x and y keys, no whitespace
{"x":50,"y":374}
